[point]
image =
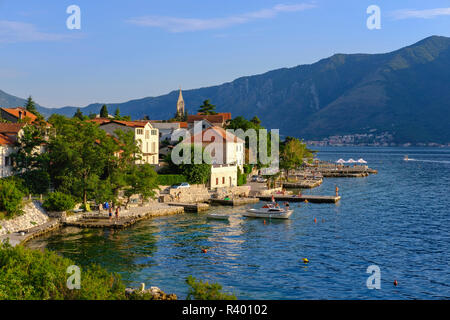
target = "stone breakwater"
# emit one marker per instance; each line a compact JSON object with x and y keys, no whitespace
{"x":36,"y":221}
{"x":34,"y":215}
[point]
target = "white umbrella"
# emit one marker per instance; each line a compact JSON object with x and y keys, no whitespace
{"x":341,"y":161}
{"x":351,"y":160}
{"x":362,"y":161}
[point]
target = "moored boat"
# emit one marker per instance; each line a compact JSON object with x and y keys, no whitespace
{"x":270,"y":213}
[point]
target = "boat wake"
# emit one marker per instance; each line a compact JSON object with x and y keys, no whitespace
{"x":434,"y":161}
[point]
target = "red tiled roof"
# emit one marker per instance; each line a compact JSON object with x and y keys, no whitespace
{"x":134,"y":124}
{"x":100,"y":120}
{"x":24,"y":113}
{"x":11,"y":127}
{"x":214,"y":133}
{"x":213,"y":118}
{"x":5,"y":140}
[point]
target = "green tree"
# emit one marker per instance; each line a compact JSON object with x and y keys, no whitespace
{"x":293,"y":153}
{"x":255,"y":120}
{"x":104,"y":112}
{"x":30,"y":106}
{"x":207,"y":108}
{"x":117,"y":114}
{"x":196,"y":173}
{"x":80,"y":154}
{"x":58,"y":201}
{"x":142,"y":180}
{"x":10,"y":198}
{"x":79,"y":114}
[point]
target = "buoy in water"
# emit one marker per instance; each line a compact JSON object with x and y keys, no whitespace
{"x":306,"y":200}
{"x":305,"y":260}
{"x":395,"y":283}
{"x":315,"y":220}
{"x":204,"y":250}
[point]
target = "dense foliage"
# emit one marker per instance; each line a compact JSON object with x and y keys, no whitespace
{"x":58,"y":201}
{"x":82,"y":160}
{"x":170,"y":179}
{"x":203,"y":290}
{"x":207,"y":108}
{"x":33,"y":275}
{"x":293,"y":154}
{"x":10,"y":198}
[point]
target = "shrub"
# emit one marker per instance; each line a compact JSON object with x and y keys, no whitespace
{"x":241,"y":178}
{"x":34,"y":275}
{"x":58,"y":201}
{"x":170,"y":179}
{"x":10,"y":198}
{"x":200,"y":290}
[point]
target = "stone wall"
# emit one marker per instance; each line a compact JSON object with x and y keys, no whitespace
{"x":33,"y":216}
{"x":193,"y":194}
{"x":241,"y":191}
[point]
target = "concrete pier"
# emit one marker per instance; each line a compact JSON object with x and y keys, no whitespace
{"x":190,"y":207}
{"x":310,"y":198}
{"x":234,"y":202}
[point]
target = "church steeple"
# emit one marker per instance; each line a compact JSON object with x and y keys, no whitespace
{"x":180,"y":104}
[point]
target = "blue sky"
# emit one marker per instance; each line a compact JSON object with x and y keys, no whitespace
{"x":135,"y":48}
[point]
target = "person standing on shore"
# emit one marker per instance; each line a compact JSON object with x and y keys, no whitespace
{"x":117,"y":213}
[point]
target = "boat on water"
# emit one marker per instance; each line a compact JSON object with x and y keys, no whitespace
{"x":218,"y":216}
{"x":270,"y":213}
{"x":406,"y":158}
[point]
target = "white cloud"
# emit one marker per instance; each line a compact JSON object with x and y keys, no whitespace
{"x":421,"y":14}
{"x":15,"y":31}
{"x":174,"y":24}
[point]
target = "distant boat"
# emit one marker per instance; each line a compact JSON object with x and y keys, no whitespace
{"x":406,"y":158}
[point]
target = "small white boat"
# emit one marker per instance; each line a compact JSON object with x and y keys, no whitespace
{"x":270,"y":213}
{"x":218,"y":216}
{"x":406,"y":158}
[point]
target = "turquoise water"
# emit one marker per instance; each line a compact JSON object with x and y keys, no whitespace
{"x":398,"y":220}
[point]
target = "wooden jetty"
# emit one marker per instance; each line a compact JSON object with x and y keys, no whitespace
{"x":233,"y":202}
{"x":190,"y":207}
{"x":302,"y":198}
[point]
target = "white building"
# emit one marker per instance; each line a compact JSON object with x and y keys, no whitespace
{"x":227,"y":153}
{"x":145,"y":134}
{"x":9,"y":133}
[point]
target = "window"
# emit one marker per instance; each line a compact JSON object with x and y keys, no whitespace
{"x":147,"y":134}
{"x":147,"y":146}
{"x":153,"y":147}
{"x":7,"y":162}
{"x":223,"y":180}
{"x":217,"y":181}
{"x":154,"y":159}
{"x":154,"y":132}
{"x":139,"y":131}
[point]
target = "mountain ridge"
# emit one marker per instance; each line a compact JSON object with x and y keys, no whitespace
{"x":403,"y":92}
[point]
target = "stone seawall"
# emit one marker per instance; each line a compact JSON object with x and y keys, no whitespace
{"x":34,"y":215}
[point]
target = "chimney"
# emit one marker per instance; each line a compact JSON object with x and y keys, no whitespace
{"x":20,"y":114}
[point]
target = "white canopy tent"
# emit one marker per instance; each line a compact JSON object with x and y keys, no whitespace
{"x":340,"y":161}
{"x":362,"y":161}
{"x":351,"y":161}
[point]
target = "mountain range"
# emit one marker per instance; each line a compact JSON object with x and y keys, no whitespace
{"x":405,"y":93}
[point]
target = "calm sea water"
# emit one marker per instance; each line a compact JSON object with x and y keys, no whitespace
{"x":398,"y":220}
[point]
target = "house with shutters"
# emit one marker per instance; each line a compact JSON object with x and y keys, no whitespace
{"x":145,"y":134}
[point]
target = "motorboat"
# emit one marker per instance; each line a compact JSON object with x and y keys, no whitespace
{"x":218,"y":216}
{"x":406,"y":158}
{"x":270,"y":213}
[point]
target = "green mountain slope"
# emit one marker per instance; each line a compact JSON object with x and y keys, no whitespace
{"x":405,"y":93}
